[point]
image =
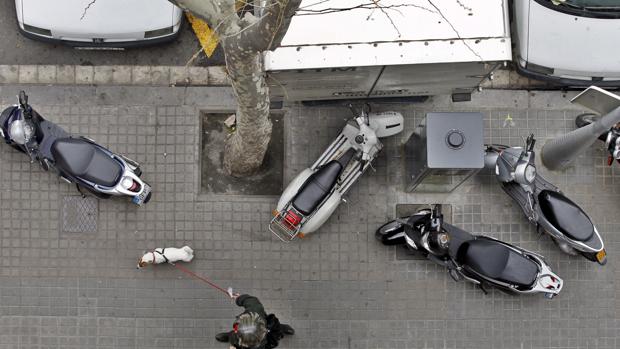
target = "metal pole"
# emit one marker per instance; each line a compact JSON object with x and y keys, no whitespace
{"x":559,"y":152}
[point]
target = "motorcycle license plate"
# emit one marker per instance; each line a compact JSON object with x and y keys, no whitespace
{"x":139,"y":199}
{"x":600,"y":256}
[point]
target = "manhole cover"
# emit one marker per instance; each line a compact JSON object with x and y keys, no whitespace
{"x":79,"y":215}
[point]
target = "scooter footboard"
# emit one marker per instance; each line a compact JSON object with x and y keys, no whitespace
{"x":542,"y":184}
{"x":518,"y":194}
{"x":332,"y":151}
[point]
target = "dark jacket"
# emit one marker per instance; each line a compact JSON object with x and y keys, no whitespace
{"x":251,"y":304}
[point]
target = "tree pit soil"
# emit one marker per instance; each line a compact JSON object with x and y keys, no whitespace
{"x":214,"y":179}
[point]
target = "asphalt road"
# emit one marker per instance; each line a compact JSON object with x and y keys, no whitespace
{"x":17,"y":49}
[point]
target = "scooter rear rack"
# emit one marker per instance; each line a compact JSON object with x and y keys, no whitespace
{"x":282,"y":228}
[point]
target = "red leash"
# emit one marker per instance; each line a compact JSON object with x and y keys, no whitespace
{"x":191,"y":273}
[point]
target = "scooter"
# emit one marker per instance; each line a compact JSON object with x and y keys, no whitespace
{"x":543,"y":203}
{"x":76,"y":159}
{"x":311,"y":198}
{"x":479,"y":259}
{"x":611,"y":138}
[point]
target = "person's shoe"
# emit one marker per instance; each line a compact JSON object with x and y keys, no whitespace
{"x":287,"y":329}
{"x":222,"y":337}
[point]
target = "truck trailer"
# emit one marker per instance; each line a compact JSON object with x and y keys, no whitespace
{"x":350,"y":49}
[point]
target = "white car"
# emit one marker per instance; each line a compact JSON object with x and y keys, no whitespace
{"x":568,"y":42}
{"x":100,"y":23}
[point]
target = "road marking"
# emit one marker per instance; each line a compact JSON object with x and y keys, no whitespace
{"x":206,"y":36}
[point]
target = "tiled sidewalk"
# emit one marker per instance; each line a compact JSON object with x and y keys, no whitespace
{"x":339,"y":288}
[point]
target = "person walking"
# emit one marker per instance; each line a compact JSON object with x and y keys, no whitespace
{"x":254,"y":329}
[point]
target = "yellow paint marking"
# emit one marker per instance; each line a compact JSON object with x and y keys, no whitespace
{"x":206,"y":36}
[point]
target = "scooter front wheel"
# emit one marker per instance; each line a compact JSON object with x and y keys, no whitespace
{"x":586,"y":119}
{"x":391,"y":233}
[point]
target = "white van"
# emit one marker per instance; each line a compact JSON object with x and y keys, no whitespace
{"x":568,"y":42}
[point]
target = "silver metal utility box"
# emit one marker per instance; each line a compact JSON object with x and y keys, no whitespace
{"x":445,"y":150}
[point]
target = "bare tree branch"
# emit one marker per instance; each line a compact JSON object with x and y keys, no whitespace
{"x":458,"y":35}
{"x":221,"y":14}
{"x":366,"y":6}
{"x":284,"y":21}
{"x":86,"y":9}
{"x":376,"y":2}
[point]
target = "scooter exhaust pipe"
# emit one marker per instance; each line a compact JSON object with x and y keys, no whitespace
{"x":559,"y":152}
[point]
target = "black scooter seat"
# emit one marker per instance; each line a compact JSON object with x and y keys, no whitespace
{"x":496,"y":261}
{"x":565,"y":215}
{"x":82,"y":159}
{"x":317,"y":187}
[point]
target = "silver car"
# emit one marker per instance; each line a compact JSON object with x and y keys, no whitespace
{"x":568,"y":42}
{"x":99,"y":24}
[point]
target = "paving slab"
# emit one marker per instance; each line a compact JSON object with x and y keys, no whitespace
{"x":339,"y":288}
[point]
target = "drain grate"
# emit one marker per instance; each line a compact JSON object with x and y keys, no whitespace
{"x":79,"y":215}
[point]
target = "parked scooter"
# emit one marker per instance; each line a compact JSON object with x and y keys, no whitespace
{"x":312,"y":197}
{"x":611,"y":137}
{"x":76,"y":159}
{"x":543,"y":203}
{"x":475,"y":258}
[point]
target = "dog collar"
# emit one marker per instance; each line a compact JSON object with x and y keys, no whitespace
{"x":161,"y":254}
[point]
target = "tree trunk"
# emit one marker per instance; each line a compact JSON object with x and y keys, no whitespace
{"x":246,"y":148}
{"x":243,"y":40}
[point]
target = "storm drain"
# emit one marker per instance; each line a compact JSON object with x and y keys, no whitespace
{"x":79,"y":215}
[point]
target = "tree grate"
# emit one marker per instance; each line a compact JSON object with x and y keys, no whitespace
{"x":79,"y":215}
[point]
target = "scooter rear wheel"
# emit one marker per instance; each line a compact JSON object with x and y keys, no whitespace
{"x":549,"y":295}
{"x":564,"y":247}
{"x":148,"y":198}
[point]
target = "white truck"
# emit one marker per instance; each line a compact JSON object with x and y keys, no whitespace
{"x":403,"y":48}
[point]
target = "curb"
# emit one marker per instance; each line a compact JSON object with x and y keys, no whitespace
{"x":114,"y":75}
{"x":504,"y":79}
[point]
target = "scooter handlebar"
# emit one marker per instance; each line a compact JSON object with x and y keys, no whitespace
{"x":23,"y":103}
{"x":23,"y":98}
{"x":530,"y":142}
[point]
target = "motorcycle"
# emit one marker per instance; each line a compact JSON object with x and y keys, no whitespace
{"x":543,"y":203}
{"x":611,"y":138}
{"x":479,"y":259}
{"x":76,"y":159}
{"x":311,"y":197}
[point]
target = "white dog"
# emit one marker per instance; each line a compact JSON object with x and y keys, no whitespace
{"x":166,"y":255}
